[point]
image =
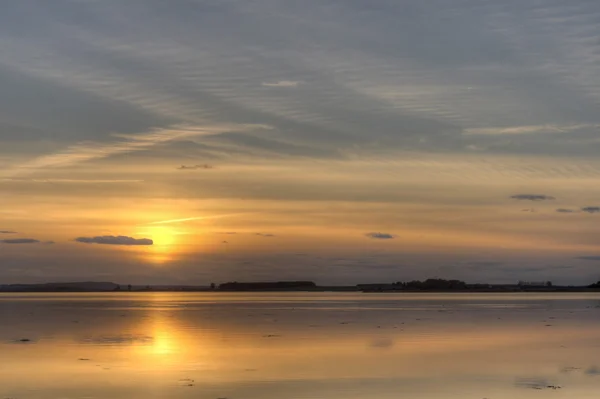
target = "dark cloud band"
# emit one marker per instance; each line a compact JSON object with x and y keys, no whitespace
{"x":380,"y":236}
{"x":20,"y":241}
{"x":114,"y":240}
{"x":532,"y":197}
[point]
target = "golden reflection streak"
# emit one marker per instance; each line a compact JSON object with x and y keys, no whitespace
{"x":171,"y":345}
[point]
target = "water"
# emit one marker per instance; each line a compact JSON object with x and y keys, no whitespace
{"x":297,"y":345}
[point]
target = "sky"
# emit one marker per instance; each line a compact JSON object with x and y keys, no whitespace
{"x":198,"y":141}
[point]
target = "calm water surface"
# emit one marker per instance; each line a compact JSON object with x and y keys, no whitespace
{"x":243,"y":346}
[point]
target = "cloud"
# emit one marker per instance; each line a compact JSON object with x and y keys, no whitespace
{"x":195,"y":218}
{"x":20,"y":241}
{"x":74,"y":181}
{"x":532,"y":382}
{"x":265,"y":234}
{"x":159,"y":69}
{"x":591,"y":209}
{"x":593,"y":257}
{"x":565,"y":210}
{"x":125,"y":143}
{"x":527,"y":129}
{"x":380,"y":236}
{"x":382,"y":343}
{"x":118,"y":339}
{"x":282,"y":83}
{"x":593,"y":371}
{"x":115,"y":240}
{"x":532,"y":197}
{"x":195,"y":167}
{"x":7,"y":232}
{"x":264,"y":145}
{"x":357,"y":81}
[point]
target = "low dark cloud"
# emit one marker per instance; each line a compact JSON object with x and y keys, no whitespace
{"x":382,"y":343}
{"x":532,"y":382}
{"x":115,"y":240}
{"x":20,"y":241}
{"x":532,"y":197}
{"x":195,"y":167}
{"x":597,"y":258}
{"x":265,"y":234}
{"x":565,"y":210}
{"x":7,"y":232}
{"x":591,"y":209}
{"x":124,"y":339}
{"x":593,"y":371}
{"x":380,"y":236}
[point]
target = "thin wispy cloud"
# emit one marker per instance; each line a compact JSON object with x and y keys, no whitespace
{"x":191,"y":219}
{"x":593,"y":258}
{"x":7,"y":232}
{"x":186,"y":81}
{"x":282,"y":83}
{"x":195,"y":167}
{"x":532,"y":197}
{"x":73,"y":181}
{"x":531,"y":129}
{"x":127,"y":143}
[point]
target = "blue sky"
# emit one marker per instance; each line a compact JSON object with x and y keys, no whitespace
{"x":303,"y":127}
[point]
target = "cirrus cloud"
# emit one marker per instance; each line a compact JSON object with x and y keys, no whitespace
{"x":114,"y":240}
{"x":593,"y":257}
{"x":282,"y":83}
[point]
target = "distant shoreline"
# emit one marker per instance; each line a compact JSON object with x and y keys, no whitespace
{"x":429,"y":286}
{"x":317,"y":290}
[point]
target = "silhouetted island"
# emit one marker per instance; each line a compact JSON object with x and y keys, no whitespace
{"x":86,"y":286}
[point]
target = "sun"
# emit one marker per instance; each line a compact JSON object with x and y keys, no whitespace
{"x":164,"y":246}
{"x":162,"y":235}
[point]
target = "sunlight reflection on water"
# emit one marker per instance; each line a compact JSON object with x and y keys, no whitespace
{"x":161,"y":345}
